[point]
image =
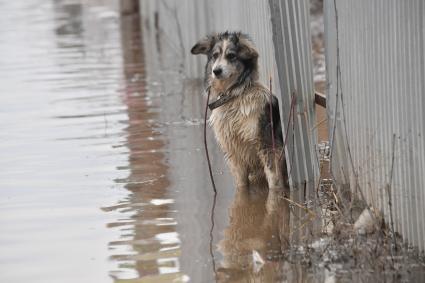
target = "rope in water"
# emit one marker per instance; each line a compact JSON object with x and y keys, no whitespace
{"x":205,"y":142}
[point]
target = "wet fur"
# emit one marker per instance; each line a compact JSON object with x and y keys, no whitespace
{"x":242,"y":126}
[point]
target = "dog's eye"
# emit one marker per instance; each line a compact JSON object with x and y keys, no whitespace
{"x":215,"y":55}
{"x":231,"y":56}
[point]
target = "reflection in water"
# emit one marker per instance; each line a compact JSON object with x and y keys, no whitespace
{"x":147,"y":228}
{"x":256,"y":237}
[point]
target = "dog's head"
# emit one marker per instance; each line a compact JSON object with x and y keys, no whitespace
{"x":232,"y":57}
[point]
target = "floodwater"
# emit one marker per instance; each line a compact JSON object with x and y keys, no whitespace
{"x":104,"y":177}
{"x":103,"y":171}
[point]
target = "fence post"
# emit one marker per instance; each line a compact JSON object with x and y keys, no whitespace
{"x":129,"y":6}
{"x":292,"y":44}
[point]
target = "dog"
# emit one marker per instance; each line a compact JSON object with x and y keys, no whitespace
{"x":243,"y":111}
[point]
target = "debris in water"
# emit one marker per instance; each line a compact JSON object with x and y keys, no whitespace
{"x":365,"y":224}
{"x":257,"y":260}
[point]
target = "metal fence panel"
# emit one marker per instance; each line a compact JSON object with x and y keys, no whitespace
{"x":375,"y":71}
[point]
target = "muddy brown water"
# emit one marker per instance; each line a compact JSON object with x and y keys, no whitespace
{"x":103,"y":174}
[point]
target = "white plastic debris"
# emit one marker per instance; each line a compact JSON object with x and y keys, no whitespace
{"x":320,"y":244}
{"x":365,"y":224}
{"x":257,"y":261}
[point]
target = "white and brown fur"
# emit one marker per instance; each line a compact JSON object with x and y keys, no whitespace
{"x":242,"y":126}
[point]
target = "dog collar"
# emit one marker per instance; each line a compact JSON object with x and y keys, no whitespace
{"x":221,"y":100}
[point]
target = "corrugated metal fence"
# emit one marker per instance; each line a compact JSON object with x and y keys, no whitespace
{"x":376,"y":87}
{"x":280,"y":30}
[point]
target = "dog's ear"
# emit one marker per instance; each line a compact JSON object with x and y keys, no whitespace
{"x":204,"y":45}
{"x":247,"y":49}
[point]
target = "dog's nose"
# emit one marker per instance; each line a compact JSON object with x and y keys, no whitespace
{"x":217,"y":71}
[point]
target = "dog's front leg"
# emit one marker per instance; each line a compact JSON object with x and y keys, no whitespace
{"x":272,"y":169}
{"x":240,"y":173}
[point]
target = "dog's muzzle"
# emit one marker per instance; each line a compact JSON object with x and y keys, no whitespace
{"x":218,"y":71}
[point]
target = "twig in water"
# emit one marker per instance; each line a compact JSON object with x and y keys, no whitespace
{"x":205,"y":142}
{"x":390,"y":200}
{"x":212,"y":182}
{"x":271,"y":115}
{"x":287,"y":126}
{"x":318,"y":124}
{"x":276,"y":160}
{"x":305,"y":208}
{"x":212,"y":235}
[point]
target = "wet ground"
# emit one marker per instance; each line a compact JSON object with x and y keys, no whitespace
{"x":103,"y":174}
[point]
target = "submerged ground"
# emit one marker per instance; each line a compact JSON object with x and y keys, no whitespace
{"x":103,"y":172}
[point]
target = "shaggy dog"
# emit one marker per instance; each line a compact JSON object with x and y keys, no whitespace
{"x":242,"y":116}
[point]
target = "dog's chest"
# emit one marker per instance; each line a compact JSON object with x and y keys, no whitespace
{"x":235,"y":125}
